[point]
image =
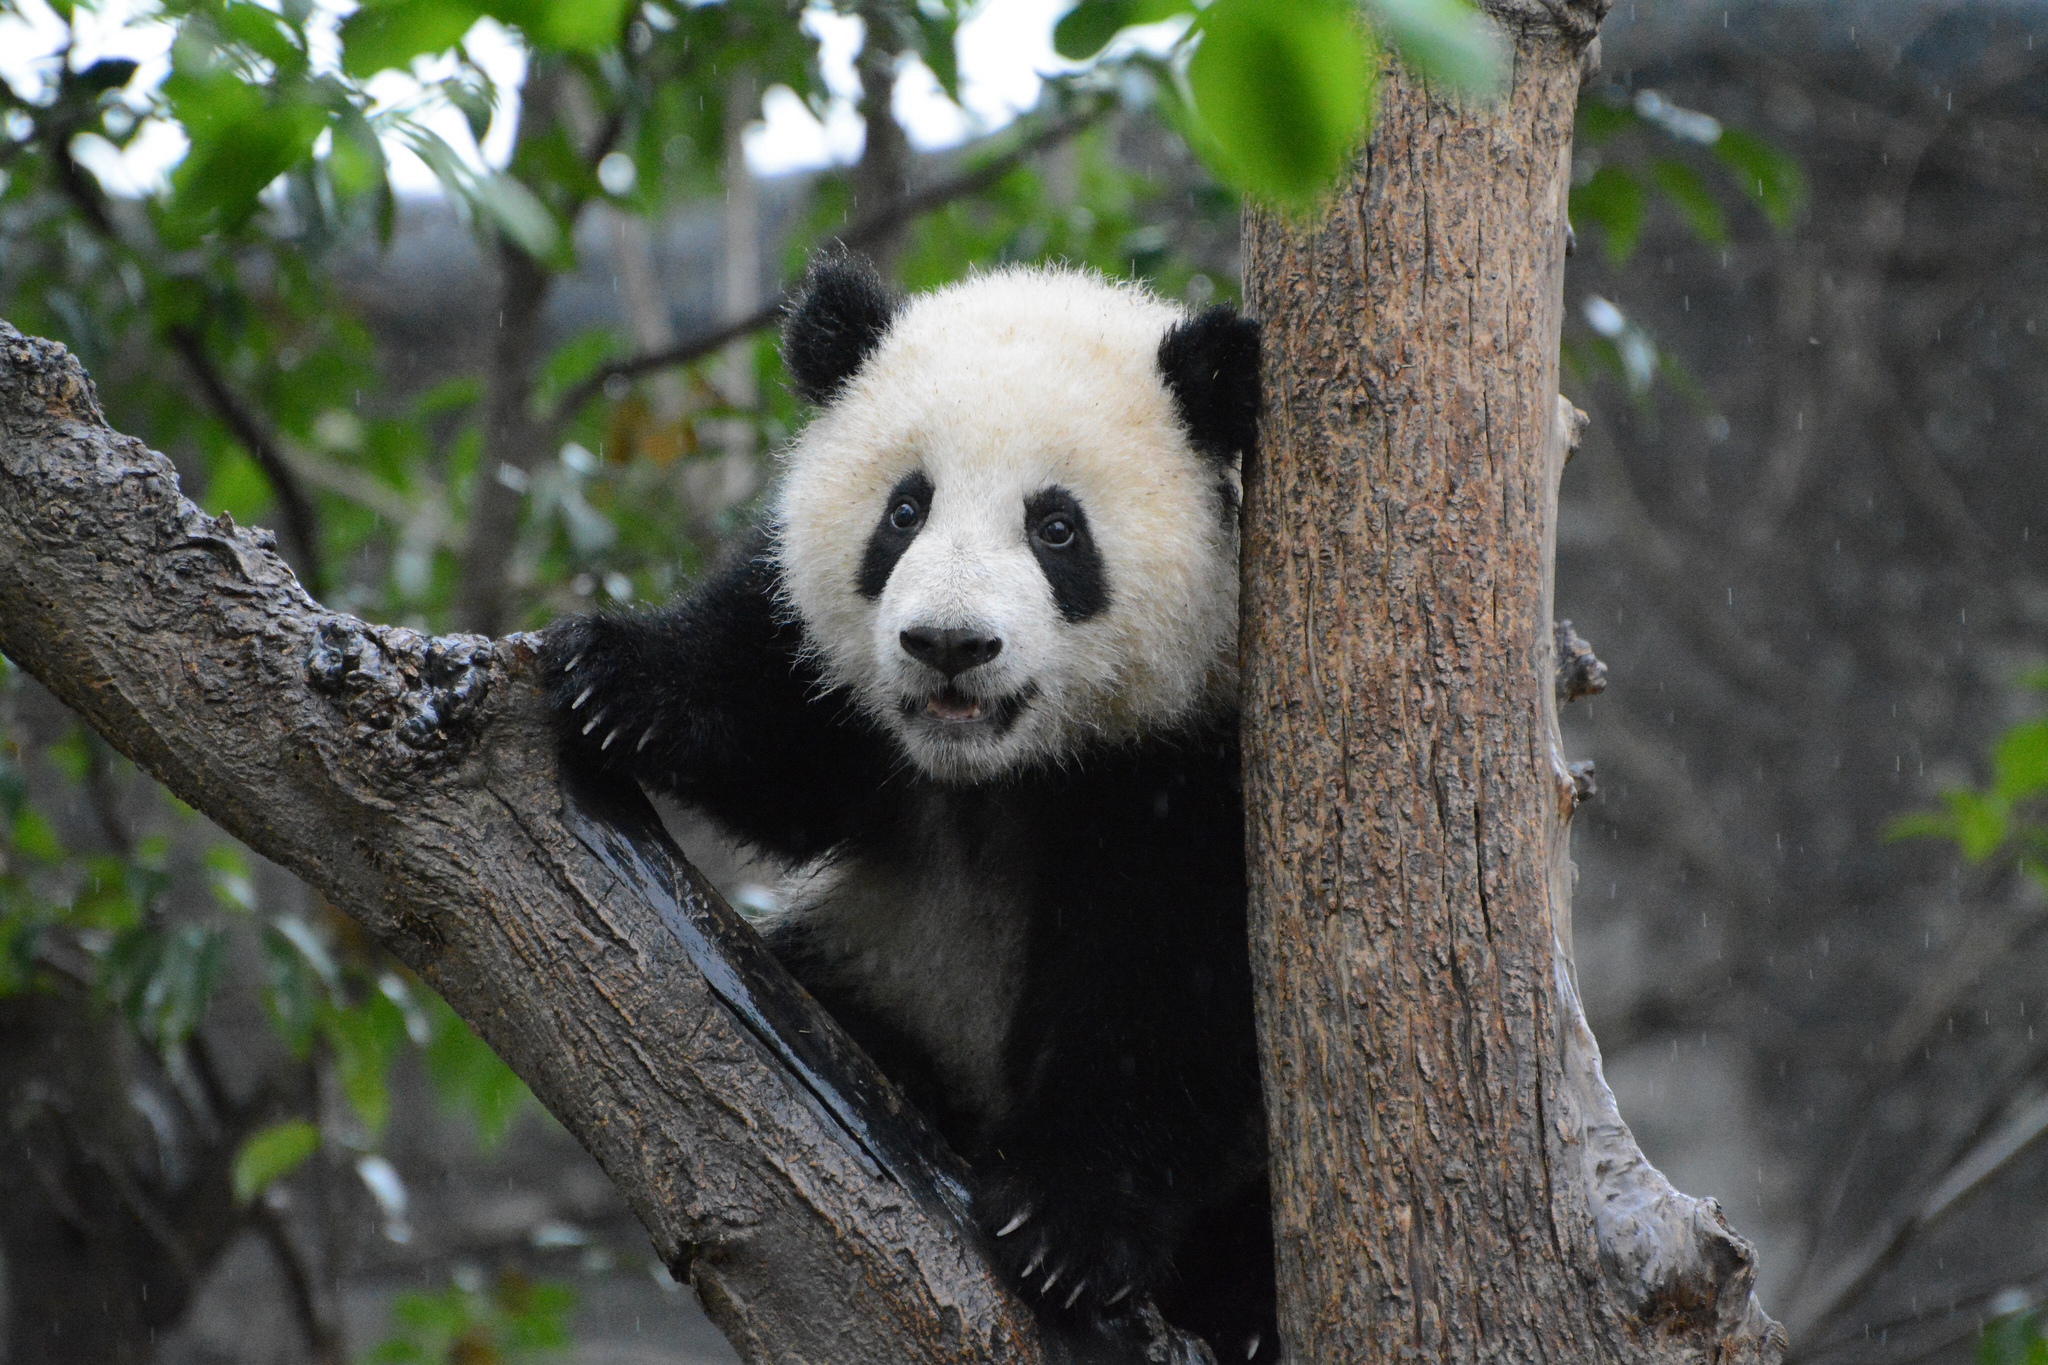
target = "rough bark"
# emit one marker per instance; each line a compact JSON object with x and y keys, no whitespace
{"x":409,"y":780}
{"x":1451,"y":1179}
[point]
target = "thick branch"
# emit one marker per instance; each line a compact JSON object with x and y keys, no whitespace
{"x":408,"y":779}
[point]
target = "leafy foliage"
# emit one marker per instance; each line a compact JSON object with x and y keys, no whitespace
{"x":2014,"y":1339}
{"x":1277,"y":98}
{"x":1632,"y":157}
{"x":515,"y":1320}
{"x":2006,"y":818}
{"x":1629,"y":154}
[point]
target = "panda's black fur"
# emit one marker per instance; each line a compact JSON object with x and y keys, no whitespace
{"x":1129,"y":1159}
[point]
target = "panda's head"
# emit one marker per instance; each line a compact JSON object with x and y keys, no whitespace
{"x":1011,"y":530}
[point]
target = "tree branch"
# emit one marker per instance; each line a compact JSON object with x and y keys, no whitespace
{"x":323,"y":1342}
{"x":411,"y":781}
{"x":870,"y":228}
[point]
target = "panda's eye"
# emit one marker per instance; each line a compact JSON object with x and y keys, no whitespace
{"x":1056,"y":531}
{"x":906,"y":514}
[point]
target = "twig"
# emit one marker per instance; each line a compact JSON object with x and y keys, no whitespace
{"x":322,"y":1338}
{"x":301,"y":528}
{"x":859,"y":233}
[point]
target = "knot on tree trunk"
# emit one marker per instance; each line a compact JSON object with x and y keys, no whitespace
{"x":1579,"y":672}
{"x":423,"y":693}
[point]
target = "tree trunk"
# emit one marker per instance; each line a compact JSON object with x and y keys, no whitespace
{"x":1450,"y":1179}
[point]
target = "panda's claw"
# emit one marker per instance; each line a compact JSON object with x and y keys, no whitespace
{"x":1117,"y":1297}
{"x":1074,"y":1293}
{"x":1251,"y":1348}
{"x":570,"y":667}
{"x":609,"y":738}
{"x":583,"y":696}
{"x":596,"y":717}
{"x":1021,"y":1217}
{"x":1031,"y":1266}
{"x":645,"y":737}
{"x":1052,"y":1278}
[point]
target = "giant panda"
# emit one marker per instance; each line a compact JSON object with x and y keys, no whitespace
{"x":975,"y":678}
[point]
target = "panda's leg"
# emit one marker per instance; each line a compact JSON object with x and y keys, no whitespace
{"x":1139,"y":1113}
{"x":709,"y":699}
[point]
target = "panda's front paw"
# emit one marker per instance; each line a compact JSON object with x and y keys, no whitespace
{"x":1075,"y":1250}
{"x":587,"y":664}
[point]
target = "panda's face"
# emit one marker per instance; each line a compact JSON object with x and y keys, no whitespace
{"x":998,"y":535}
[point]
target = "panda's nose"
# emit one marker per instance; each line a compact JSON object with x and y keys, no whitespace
{"x":952,"y":652}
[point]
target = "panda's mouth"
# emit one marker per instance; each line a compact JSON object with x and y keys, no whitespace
{"x":953,"y":711}
{"x":950,"y":708}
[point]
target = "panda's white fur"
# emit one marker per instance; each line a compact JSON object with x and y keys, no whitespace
{"x":957,"y":387}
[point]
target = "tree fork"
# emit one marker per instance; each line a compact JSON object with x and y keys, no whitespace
{"x":1451,"y":1179}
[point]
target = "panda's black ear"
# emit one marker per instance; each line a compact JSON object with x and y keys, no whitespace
{"x":834,"y":325}
{"x":1211,"y":365}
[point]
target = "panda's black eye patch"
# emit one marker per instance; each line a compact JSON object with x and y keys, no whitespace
{"x":903,"y":515}
{"x":1057,"y":529}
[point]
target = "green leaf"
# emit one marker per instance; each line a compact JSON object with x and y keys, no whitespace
{"x":1598,"y":120}
{"x":565,"y":25}
{"x":2014,"y":1339}
{"x":381,"y":36}
{"x":240,"y":143}
{"x":311,"y":949}
{"x":1924,"y":824}
{"x":1282,"y":94}
{"x":2020,"y":762}
{"x":293,"y":992}
{"x":364,"y":1039}
{"x":574,"y":361}
{"x":270,"y":1154}
{"x":936,"y":34}
{"x":1087,"y":28}
{"x":499,"y":199}
{"x":1688,"y":194}
{"x":1765,"y":174}
{"x":519,"y":214}
{"x":1449,"y":41}
{"x":1979,"y":822}
{"x":1613,"y":199}
{"x":163,"y":979}
{"x":263,"y":33}
{"x":468,"y":1076}
{"x":228,"y":871}
{"x":34,"y":838}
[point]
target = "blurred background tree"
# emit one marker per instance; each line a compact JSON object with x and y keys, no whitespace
{"x":471,"y":302}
